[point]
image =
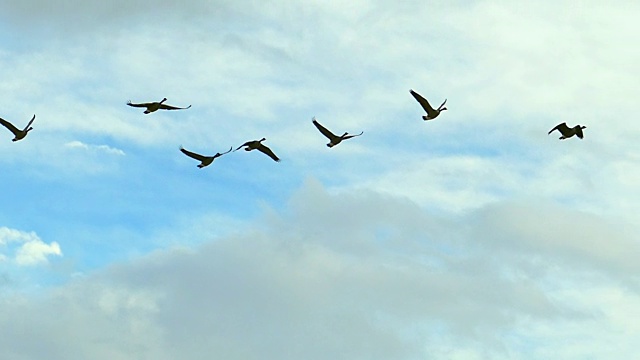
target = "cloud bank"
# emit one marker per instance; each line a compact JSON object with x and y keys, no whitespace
{"x":354,"y":276}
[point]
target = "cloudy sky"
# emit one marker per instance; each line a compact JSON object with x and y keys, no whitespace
{"x":473,"y":236}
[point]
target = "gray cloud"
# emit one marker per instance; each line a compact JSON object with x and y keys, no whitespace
{"x":352,"y":274}
{"x":342,"y":276}
{"x":77,"y":16}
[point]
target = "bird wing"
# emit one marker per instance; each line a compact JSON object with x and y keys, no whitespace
{"x":324,"y":130}
{"x":192,"y":154}
{"x":563,"y":128}
{"x":425,"y":104}
{"x":226,"y":152}
{"x":351,"y":136}
{"x":9,"y":126}
{"x":30,"y":122}
{"x":579,"y":132}
{"x":268,"y":151}
{"x":441,"y":105}
{"x":245,"y":144}
{"x":169,"y":107}
{"x":139,"y":105}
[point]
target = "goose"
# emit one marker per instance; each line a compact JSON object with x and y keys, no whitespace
{"x":431,"y":113}
{"x":204,"y":160}
{"x":155,"y":106}
{"x":333,"y":139}
{"x":257,"y":145}
{"x":18,"y":134}
{"x":568,"y":132}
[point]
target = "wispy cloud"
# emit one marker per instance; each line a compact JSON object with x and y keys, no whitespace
{"x":96,"y":148}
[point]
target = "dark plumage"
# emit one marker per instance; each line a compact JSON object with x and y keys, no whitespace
{"x":431,"y":112}
{"x":257,"y":145}
{"x":17,"y":133}
{"x":333,"y":139}
{"x":155,"y":106}
{"x":204,"y":160}
{"x":568,"y":132}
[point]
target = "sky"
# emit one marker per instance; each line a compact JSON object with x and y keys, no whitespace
{"x":473,"y":236}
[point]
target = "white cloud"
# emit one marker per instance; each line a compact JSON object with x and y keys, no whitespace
{"x":103,"y":148}
{"x":36,"y":252}
{"x":443,"y":265}
{"x":8,"y":235}
{"x":29,"y":249}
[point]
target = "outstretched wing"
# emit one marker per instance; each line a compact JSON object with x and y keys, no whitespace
{"x":240,"y":147}
{"x":268,"y":151}
{"x":425,"y":104}
{"x":351,"y":136}
{"x":30,"y":122}
{"x":138,"y":105}
{"x":226,"y":152}
{"x":563,"y":128}
{"x":169,"y":107}
{"x":324,"y":130}
{"x":9,"y":126}
{"x":192,"y":154}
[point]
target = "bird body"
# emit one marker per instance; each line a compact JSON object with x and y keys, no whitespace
{"x":17,"y":133}
{"x":568,"y":132}
{"x":204,"y":160}
{"x":333,"y":139}
{"x":155,"y":106}
{"x":431,"y":112}
{"x":257,"y":145}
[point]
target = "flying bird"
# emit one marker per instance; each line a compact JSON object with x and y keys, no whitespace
{"x":333,"y":139}
{"x":18,"y":134}
{"x":204,"y":160}
{"x":568,"y":132}
{"x":155,"y":106}
{"x":257,"y":145}
{"x":431,"y":112}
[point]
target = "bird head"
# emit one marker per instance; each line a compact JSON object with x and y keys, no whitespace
{"x":163,"y":100}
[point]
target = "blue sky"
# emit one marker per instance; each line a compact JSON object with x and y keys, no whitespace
{"x":473,"y":236}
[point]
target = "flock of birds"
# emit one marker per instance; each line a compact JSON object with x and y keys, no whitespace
{"x":334,"y":139}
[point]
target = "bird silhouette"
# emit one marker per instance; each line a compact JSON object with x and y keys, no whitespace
{"x":17,"y":133}
{"x":568,"y":132}
{"x":431,"y":112}
{"x":333,"y":138}
{"x":204,"y":160}
{"x":155,"y":106}
{"x":257,"y":145}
